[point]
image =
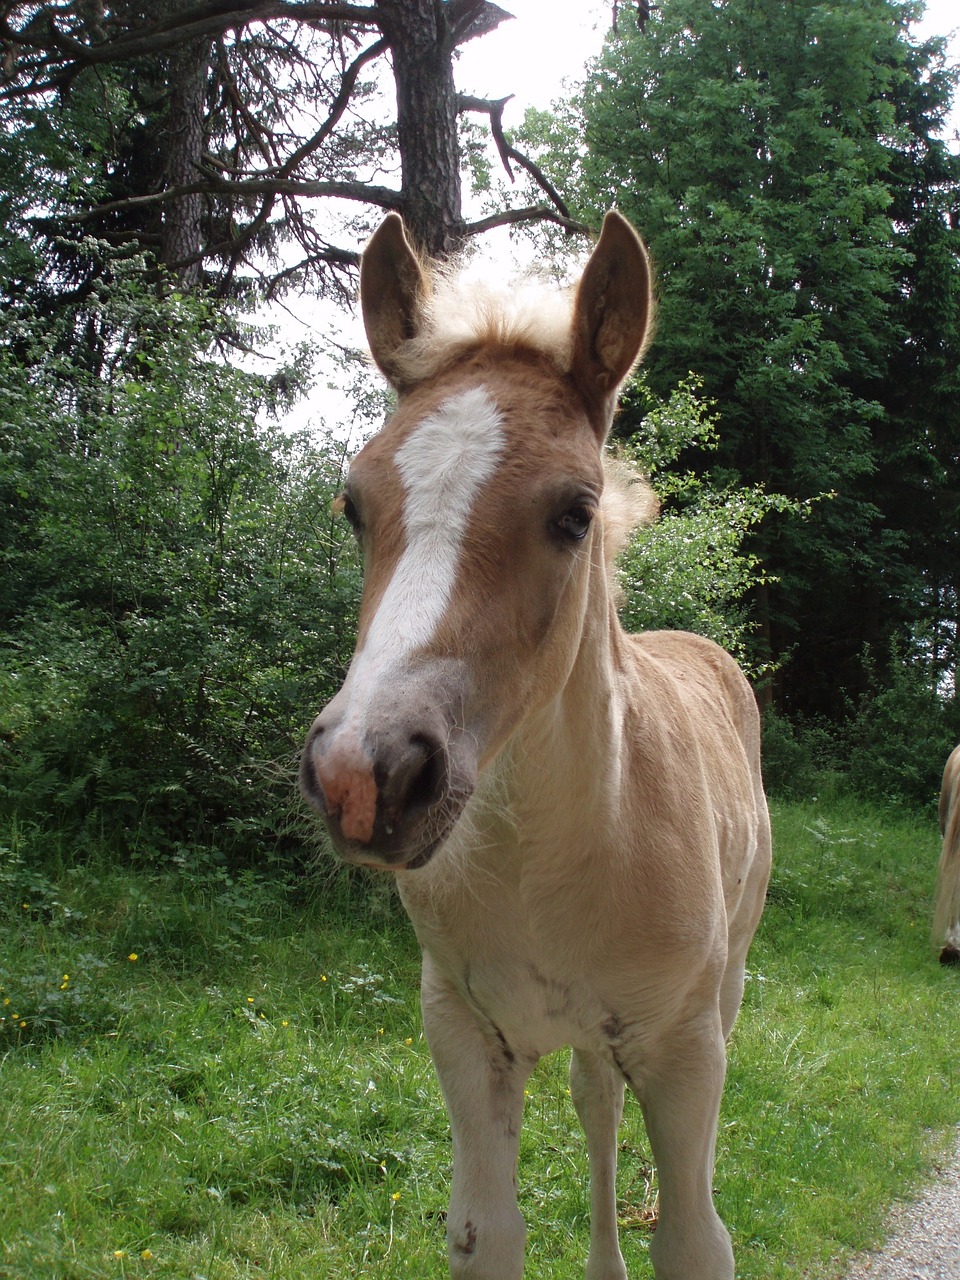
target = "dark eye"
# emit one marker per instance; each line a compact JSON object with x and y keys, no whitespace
{"x":346,"y":505}
{"x":575,"y":523}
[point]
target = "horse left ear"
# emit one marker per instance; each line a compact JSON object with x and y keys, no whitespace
{"x":392,"y":289}
{"x":611,"y":317}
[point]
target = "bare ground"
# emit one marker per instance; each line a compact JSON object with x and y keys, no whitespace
{"x":924,"y":1240}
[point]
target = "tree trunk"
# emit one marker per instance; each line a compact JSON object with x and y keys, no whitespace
{"x":421,"y":44}
{"x":181,"y":244}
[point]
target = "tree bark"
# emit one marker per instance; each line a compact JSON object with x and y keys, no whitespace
{"x":421,"y":44}
{"x":181,"y":241}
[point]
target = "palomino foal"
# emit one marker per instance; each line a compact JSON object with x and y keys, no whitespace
{"x":575,"y":816}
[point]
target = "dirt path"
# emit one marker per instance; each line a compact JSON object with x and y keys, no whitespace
{"x":924,"y":1243}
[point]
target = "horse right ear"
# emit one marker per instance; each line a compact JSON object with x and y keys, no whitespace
{"x":392,"y":288}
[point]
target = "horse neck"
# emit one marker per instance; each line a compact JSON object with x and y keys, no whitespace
{"x":567,"y":756}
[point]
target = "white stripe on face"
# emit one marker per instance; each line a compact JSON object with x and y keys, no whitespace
{"x":443,"y":465}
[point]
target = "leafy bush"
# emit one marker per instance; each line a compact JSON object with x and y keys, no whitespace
{"x":692,"y":569}
{"x":175,"y":601}
{"x":901,"y":736}
{"x":801,"y":760}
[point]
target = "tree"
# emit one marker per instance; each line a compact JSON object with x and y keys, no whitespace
{"x":784,"y":164}
{"x":233,"y":125}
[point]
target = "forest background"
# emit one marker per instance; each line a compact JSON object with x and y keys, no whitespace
{"x":176,"y":596}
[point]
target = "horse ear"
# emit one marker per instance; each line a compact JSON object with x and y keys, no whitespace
{"x":392,"y":287}
{"x":612,"y":316}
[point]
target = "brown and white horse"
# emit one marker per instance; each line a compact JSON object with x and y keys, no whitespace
{"x":946,"y":910}
{"x":575,"y":816}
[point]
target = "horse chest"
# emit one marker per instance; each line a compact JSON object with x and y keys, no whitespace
{"x":529,"y":984}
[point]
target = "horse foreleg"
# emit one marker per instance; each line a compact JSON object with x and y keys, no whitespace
{"x":597,"y":1092}
{"x":482,"y":1082}
{"x":681,"y":1103}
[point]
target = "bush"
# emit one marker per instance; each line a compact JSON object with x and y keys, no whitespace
{"x":902,"y":735}
{"x":175,"y":600}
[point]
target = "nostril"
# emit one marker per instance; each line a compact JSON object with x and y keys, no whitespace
{"x":310,"y":787}
{"x":414,"y":780}
{"x":427,"y":787}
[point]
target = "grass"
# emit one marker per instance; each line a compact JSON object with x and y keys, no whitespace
{"x":219,"y":1078}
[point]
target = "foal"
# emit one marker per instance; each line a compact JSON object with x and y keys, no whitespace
{"x":575,"y":816}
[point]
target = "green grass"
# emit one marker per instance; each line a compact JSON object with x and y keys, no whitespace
{"x":251,"y":1095}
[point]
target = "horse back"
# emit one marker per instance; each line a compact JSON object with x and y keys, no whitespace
{"x":707,"y":706}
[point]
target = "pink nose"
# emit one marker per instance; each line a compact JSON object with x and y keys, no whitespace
{"x":350,"y":792}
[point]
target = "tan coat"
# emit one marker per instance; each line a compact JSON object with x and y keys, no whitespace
{"x":575,"y":816}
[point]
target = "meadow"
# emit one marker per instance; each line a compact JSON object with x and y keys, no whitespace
{"x":210,"y":1076}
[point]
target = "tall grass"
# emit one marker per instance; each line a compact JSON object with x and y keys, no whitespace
{"x":205,"y":1077}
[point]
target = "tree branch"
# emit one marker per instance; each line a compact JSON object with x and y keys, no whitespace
{"x":533,"y":213}
{"x":362,"y":193}
{"x":205,"y":20}
{"x":494,"y":110}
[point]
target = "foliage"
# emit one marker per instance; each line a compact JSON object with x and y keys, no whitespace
{"x":784,"y":164}
{"x":174,"y":598}
{"x":901,"y":736}
{"x":268,"y":1105}
{"x":693,"y":569}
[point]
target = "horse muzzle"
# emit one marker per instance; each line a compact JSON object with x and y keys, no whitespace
{"x":392,"y":790}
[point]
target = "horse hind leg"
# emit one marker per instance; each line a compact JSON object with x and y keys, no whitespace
{"x":597,"y":1091}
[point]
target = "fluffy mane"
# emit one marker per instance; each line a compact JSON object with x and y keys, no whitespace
{"x":459,"y":315}
{"x":628,"y":503}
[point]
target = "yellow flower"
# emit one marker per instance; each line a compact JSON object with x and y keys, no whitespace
{"x":409,"y":1040}
{"x":133,"y":956}
{"x":395,"y":1196}
{"x":284,"y":1023}
{"x":146,"y":1255}
{"x":119,"y":1253}
{"x":249,"y":999}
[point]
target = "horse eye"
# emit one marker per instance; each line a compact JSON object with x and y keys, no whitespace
{"x":348,"y":508}
{"x":576,"y":522}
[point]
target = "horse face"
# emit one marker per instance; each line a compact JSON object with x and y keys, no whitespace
{"x":477,"y":508}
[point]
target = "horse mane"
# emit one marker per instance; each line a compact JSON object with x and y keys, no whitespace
{"x":459,"y":315}
{"x":629,"y":503}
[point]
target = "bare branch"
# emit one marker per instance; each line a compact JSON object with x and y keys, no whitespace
{"x":533,"y":213}
{"x":494,"y":110}
{"x":362,"y":193}
{"x":472,"y":18}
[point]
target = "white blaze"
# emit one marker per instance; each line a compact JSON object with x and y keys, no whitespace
{"x":443,"y":464}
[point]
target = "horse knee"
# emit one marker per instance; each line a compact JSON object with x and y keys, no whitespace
{"x":702,"y":1250}
{"x":487,"y":1250}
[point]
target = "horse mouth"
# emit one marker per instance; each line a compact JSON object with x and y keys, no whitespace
{"x":396,"y":852}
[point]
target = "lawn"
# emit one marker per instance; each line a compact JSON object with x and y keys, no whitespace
{"x":213,"y":1076}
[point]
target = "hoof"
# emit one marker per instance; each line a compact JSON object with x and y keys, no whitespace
{"x":949,"y":955}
